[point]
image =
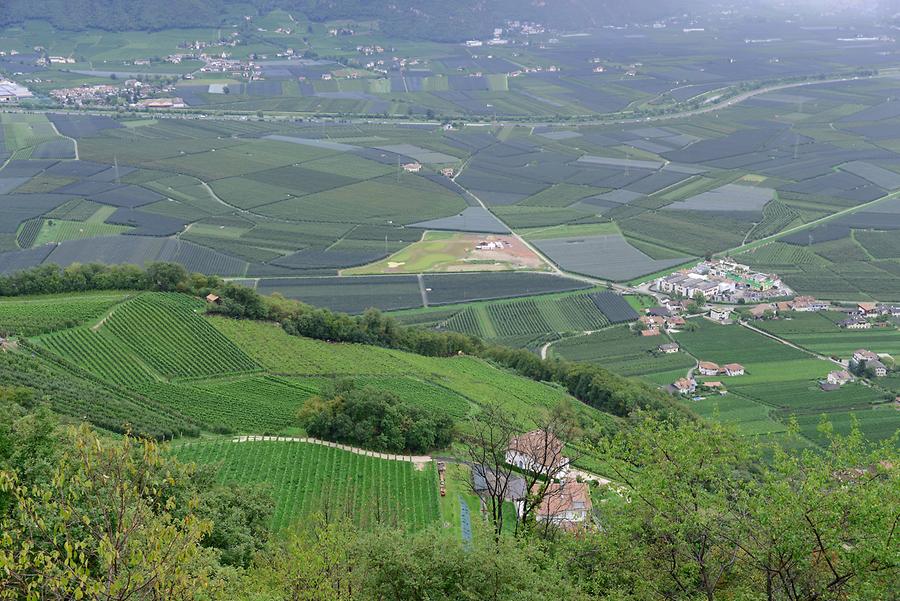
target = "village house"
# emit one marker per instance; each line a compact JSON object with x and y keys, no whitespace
{"x":733,"y":369}
{"x":683,"y":386}
{"x":675,"y":322}
{"x":855,"y":323}
{"x":867,"y":308}
{"x":659,"y":312}
{"x":213,"y":299}
{"x":714,"y":385}
{"x":877,"y":367}
{"x":538,"y":451}
{"x":862,"y":356}
{"x":668,"y":348}
{"x":805,"y":304}
{"x":566,"y":504}
{"x":892,"y":310}
{"x":707,"y":368}
{"x":447,"y":172}
{"x":412,"y":167}
{"x":720,"y":314}
{"x":839,"y":377}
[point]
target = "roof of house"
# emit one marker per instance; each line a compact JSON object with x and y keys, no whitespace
{"x":875,"y":364}
{"x":712,"y":384}
{"x":541,"y":445}
{"x":212,"y":297}
{"x":565,"y":496}
{"x":840,"y":373}
{"x":668,"y":345}
{"x":865,"y":354}
{"x":486,"y":480}
{"x":867,"y":306}
{"x":734,"y":367}
{"x":683,"y":384}
{"x":708,"y":365}
{"x":659,"y":311}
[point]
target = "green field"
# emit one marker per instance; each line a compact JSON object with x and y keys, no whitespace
{"x":623,"y":351}
{"x":29,"y":316}
{"x":307,"y":478}
{"x":819,"y":332}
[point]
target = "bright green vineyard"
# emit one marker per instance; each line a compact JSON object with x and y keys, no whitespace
{"x":168,"y":333}
{"x":38,"y":315}
{"x":100,"y":354}
{"x":309,"y":478}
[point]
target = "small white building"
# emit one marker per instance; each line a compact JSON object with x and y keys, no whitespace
{"x":720,"y":314}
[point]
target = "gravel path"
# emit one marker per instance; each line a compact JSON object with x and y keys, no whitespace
{"x":418,"y":460}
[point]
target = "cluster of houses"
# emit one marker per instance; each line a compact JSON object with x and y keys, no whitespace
{"x":659,"y":319}
{"x":708,"y":368}
{"x":688,"y":385}
{"x":566,"y":502}
{"x":867,"y":315}
{"x":802,"y":304}
{"x":863,"y":361}
{"x":866,"y":360}
{"x":722,"y":280}
{"x":133,"y":92}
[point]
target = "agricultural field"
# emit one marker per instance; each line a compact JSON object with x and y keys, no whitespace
{"x":271,"y":200}
{"x":820,"y":333}
{"x":785,"y":382}
{"x":310,"y":478}
{"x":24,"y":316}
{"x":152,"y":336}
{"x":780,"y":382}
{"x":623,"y":351}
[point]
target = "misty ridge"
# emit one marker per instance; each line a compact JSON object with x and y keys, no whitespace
{"x":425,"y":19}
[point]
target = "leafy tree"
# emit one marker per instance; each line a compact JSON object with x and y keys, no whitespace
{"x":166,"y":277}
{"x":107,"y":526}
{"x":239,"y":517}
{"x":374,"y":418}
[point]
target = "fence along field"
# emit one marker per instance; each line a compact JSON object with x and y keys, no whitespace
{"x":310,"y":478}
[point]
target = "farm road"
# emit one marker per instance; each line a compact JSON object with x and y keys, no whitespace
{"x":791,"y":344}
{"x":418,"y":460}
